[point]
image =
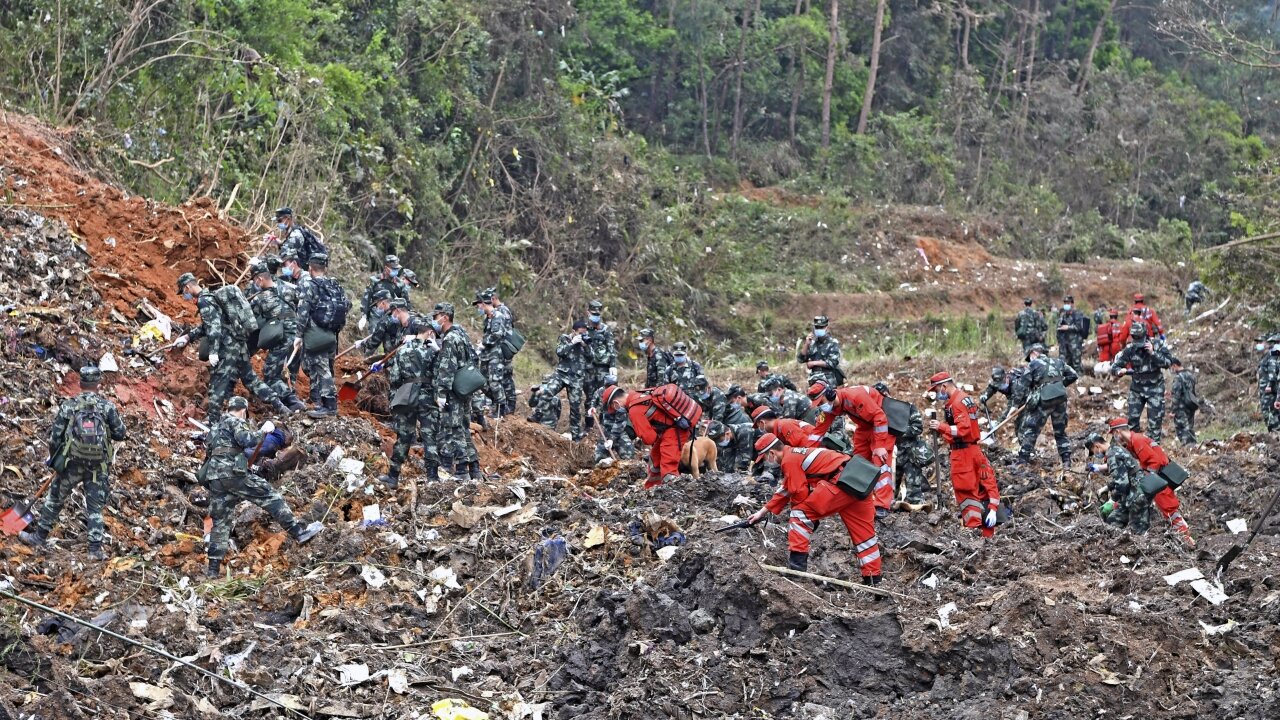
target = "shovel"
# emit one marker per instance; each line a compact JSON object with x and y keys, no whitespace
{"x":1235,"y":550}
{"x":995,"y":428}
{"x":17,"y":518}
{"x":350,"y":390}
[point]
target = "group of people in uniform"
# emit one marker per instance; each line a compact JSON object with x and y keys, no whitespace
{"x":797,"y":442}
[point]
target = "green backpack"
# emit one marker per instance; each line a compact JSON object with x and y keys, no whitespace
{"x":87,"y":438}
{"x":236,"y":311}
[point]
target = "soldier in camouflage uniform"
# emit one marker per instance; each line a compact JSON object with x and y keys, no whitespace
{"x":414,"y":410}
{"x":794,"y":405}
{"x":1071,"y":332}
{"x":1002,"y":382}
{"x":616,"y":431}
{"x":228,"y":352}
{"x":764,"y":378}
{"x":388,"y":281}
{"x":80,"y":451}
{"x":317,"y":364}
{"x":295,"y":242}
{"x":1030,"y":326}
{"x":1044,"y":370}
{"x":493,"y":359}
{"x":226,"y":474}
{"x":1144,"y":362}
{"x":276,"y":301}
{"x":1130,"y":507}
{"x":657,"y":360}
{"x":573,"y":354}
{"x":912,"y":454}
{"x":503,"y":310}
{"x":453,"y":440}
{"x":1269,"y":383}
{"x":1185,"y":402}
{"x":602,"y":356}
{"x":717,"y":407}
{"x":820,"y":354}
{"x":684,"y":370}
{"x":1196,"y":293}
{"x":389,"y":327}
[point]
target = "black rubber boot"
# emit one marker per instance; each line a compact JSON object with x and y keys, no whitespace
{"x":391,"y":479}
{"x":476,"y":473}
{"x":96,"y":553}
{"x":294,"y":404}
{"x":798,"y":561}
{"x":35,"y":538}
{"x":280,"y":408}
{"x":302,"y":533}
{"x":215,"y":568}
{"x":433,"y":472}
{"x":328,"y":408}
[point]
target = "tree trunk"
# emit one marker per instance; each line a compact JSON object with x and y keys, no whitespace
{"x":797,"y":80}
{"x":830,"y":80}
{"x":1031,"y":65}
{"x":740,"y":61}
{"x":870,"y":94}
{"x":964,"y":39}
{"x":1087,"y":64}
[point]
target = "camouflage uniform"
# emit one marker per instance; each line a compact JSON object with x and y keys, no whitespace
{"x":226,"y":473}
{"x":71,"y":472}
{"x":826,"y":349}
{"x":774,"y":380}
{"x":912,"y":455}
{"x":396,"y":287}
{"x":453,"y":440}
{"x":1042,"y":371}
{"x":385,"y":336}
{"x":795,"y":405}
{"x":317,"y":365}
{"x":1006,"y":388}
{"x":616,"y":427}
{"x":278,"y":302}
{"x":1132,"y":507}
{"x":544,"y":413}
{"x":233,"y":360}
{"x":570,"y":373}
{"x":683,"y":374}
{"x":656,"y":365}
{"x":508,"y":375}
{"x":716,"y":407}
{"x":418,"y":419}
{"x":493,"y":360}
{"x":1268,"y":386}
{"x":1030,"y":327}
{"x":1147,"y":384}
{"x":602,"y":355}
{"x":1071,"y":340}
{"x":1185,"y":403}
{"x":1195,"y":294}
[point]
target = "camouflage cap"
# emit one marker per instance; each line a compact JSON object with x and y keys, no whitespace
{"x":1027,"y":301}
{"x":646,"y":332}
{"x":184,"y":280}
{"x":701,"y":381}
{"x":319,"y":260}
{"x":1092,"y":439}
{"x":443,"y":308}
{"x":821,"y":321}
{"x":273,"y":263}
{"x":1138,"y":331}
{"x":237,"y":403}
{"x":762,"y":365}
{"x":289,"y":255}
{"x":418,"y":324}
{"x":715,"y":429}
{"x":284,"y":212}
{"x":881,"y":388}
{"x":259,"y":267}
{"x":483,"y":296}
{"x":90,"y":375}
{"x":997,"y":373}
{"x":398,"y":303}
{"x":735,"y":390}
{"x":380,"y":294}
{"x":391,"y":261}
{"x":1037,"y":348}
{"x":679,"y":347}
{"x":595,"y":305}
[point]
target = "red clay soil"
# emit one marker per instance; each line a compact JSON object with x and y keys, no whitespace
{"x":153,"y":243}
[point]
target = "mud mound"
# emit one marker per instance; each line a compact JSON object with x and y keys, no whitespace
{"x":139,"y":247}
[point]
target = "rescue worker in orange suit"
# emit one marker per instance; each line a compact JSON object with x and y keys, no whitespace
{"x":864,"y":406}
{"x":1108,"y":337}
{"x":811,"y":473}
{"x":972,"y":478}
{"x":1152,"y":459}
{"x":653,"y":427}
{"x":1148,"y":315}
{"x":792,"y":433}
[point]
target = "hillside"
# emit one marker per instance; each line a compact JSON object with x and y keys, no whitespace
{"x":1058,"y":616}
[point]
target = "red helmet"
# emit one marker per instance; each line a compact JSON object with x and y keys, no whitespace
{"x":1117,"y":423}
{"x":764,"y":412}
{"x":767,"y":442}
{"x":817,"y":388}
{"x":608,"y":394}
{"x":939,"y":378}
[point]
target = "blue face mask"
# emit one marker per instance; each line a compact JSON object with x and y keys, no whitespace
{"x":1260,"y":347}
{"x":644,"y":346}
{"x":594,"y":318}
{"x":479,"y":310}
{"x":681,"y":358}
{"x":1066,"y":308}
{"x":704,"y":394}
{"x":723,"y":443}
{"x":395,"y":272}
{"x":188,"y":296}
{"x":819,"y":332}
{"x":436,"y":326}
{"x":825,"y":407}
{"x":378,"y":312}
{"x":282,"y":226}
{"x":287,"y":272}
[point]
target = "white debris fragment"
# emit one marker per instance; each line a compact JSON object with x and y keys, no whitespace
{"x":944,"y":614}
{"x":1212,"y":592}
{"x":930,"y":582}
{"x":445,"y":576}
{"x":461,"y":672}
{"x":350,"y":466}
{"x":1184,"y":575}
{"x":1237,"y":526}
{"x":353,"y":674}
{"x":373,"y":576}
{"x":665,"y":554}
{"x":398,"y":681}
{"x":743,"y":500}
{"x":107,"y":363}
{"x":1225,"y":627}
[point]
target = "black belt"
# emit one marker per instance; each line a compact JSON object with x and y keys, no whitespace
{"x":225,"y":452}
{"x":960,"y":445}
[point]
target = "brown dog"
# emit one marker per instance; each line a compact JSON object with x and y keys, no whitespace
{"x":699,"y":454}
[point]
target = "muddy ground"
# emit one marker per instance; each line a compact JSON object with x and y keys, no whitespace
{"x":459,"y":590}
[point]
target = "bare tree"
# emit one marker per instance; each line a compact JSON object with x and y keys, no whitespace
{"x":875,"y":67}
{"x":1212,"y":27}
{"x":1087,"y":64}
{"x":829,"y":82}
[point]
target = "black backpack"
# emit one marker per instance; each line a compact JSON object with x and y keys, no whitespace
{"x":330,"y":306}
{"x":87,"y":440}
{"x":311,"y":245}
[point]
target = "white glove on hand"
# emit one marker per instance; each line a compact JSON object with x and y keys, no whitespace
{"x":440,"y":403}
{"x":267,"y":427}
{"x":613,"y":371}
{"x":608,"y":444}
{"x":360,"y":343}
{"x":362,"y":324}
{"x":180,"y":342}
{"x":758,"y":515}
{"x":990,"y":520}
{"x":576,"y":339}
{"x":213,"y":359}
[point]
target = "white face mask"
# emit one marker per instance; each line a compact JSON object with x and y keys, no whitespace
{"x":819,"y":332}
{"x":825,"y":407}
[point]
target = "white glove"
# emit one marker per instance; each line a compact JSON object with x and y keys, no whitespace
{"x":267,"y":427}
{"x":362,"y":323}
{"x":360,"y":343}
{"x":440,"y":403}
{"x":608,"y":444}
{"x":297,"y":342}
{"x":180,"y":342}
{"x":576,"y":340}
{"x":613,"y":371}
{"x":758,"y":515}
{"x":990,"y":520}
{"x":815,"y":438}
{"x":213,"y":359}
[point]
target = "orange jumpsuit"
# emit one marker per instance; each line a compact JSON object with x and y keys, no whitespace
{"x":655,"y":428}
{"x":972,"y":478}
{"x":796,"y":433}
{"x":1152,"y":458}
{"x":808,"y":483}
{"x":864,"y":406}
{"x":1111,"y":339}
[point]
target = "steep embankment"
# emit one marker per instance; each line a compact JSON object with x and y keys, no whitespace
{"x":461,"y":590}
